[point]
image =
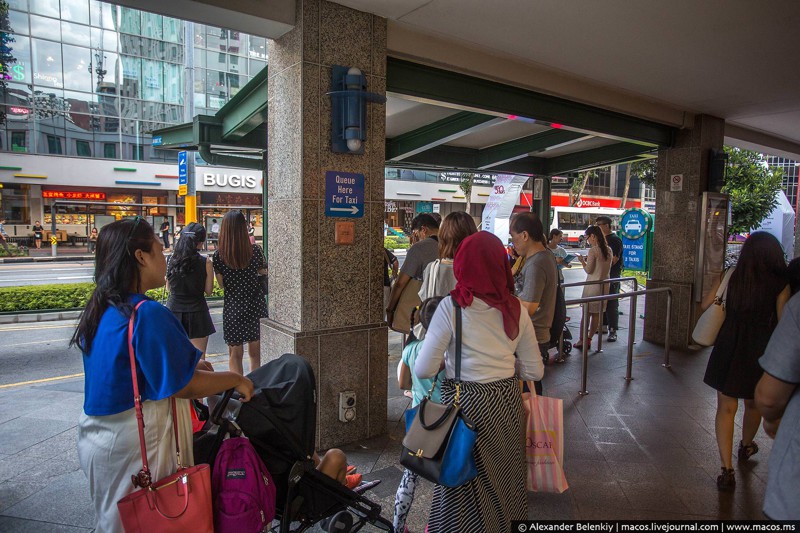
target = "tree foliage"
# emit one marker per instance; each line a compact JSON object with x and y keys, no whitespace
{"x":466,"y":187}
{"x":7,"y":59}
{"x":579,"y":185}
{"x":646,"y":170}
{"x":752,"y":186}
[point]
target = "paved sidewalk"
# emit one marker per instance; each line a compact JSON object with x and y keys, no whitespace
{"x":638,"y":450}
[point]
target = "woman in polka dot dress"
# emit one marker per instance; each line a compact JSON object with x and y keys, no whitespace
{"x":237,"y":264}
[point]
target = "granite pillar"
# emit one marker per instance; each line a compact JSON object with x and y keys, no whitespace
{"x":675,"y":246}
{"x":326,"y":300}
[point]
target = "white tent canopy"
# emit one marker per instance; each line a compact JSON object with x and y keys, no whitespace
{"x":780,"y":223}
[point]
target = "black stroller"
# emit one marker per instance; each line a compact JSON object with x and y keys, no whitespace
{"x":280,"y":421}
{"x":558,"y":327}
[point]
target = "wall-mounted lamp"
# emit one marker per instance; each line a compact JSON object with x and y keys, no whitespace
{"x":348,"y":110}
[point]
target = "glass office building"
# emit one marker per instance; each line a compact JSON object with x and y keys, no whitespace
{"x":89,"y":79}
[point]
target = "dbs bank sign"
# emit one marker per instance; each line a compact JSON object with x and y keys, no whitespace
{"x":231,"y":181}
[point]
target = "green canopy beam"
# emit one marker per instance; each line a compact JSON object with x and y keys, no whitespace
{"x":246,"y":110}
{"x":594,"y":158}
{"x":520,"y":148}
{"x":440,"y":132}
{"x":430,"y":84}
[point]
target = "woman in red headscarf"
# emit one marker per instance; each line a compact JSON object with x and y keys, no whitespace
{"x":498,"y":347}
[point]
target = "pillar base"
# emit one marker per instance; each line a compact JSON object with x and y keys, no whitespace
{"x":343,"y":359}
{"x":655,"y":310}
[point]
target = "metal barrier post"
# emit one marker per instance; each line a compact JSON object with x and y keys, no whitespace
{"x":667,"y":330}
{"x":631,"y":328}
{"x":585,"y":348}
{"x":600,"y":331}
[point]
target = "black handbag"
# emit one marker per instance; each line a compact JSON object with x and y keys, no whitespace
{"x":440,"y":438}
{"x":263,"y":281}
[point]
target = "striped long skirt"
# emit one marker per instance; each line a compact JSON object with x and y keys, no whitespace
{"x":497,"y":496}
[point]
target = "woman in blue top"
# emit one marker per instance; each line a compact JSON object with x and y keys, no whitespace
{"x":130,"y":261}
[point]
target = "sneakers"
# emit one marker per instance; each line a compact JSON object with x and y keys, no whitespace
{"x":352,"y":481}
{"x":746,"y":452}
{"x":727,"y":480}
{"x":612,"y":335}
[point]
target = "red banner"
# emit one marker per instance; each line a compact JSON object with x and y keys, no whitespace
{"x":562,"y":200}
{"x":74,"y":195}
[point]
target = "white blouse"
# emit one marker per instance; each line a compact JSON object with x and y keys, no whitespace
{"x":487,"y":354}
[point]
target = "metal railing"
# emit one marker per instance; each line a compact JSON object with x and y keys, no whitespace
{"x":595,"y":282}
{"x":631,"y":326}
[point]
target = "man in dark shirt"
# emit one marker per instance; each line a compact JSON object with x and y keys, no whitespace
{"x":611,"y":317}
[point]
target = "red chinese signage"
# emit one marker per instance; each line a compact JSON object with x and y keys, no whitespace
{"x":74,"y":195}
{"x":562,"y":200}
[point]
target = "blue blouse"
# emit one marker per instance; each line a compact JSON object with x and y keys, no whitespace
{"x":165,"y":358}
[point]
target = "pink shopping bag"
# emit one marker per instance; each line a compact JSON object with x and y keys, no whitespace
{"x":544,"y":443}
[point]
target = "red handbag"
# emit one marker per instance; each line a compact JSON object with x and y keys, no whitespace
{"x":178,"y":503}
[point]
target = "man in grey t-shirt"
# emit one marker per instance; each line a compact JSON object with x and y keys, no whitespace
{"x":778,"y":399}
{"x":423,"y":252}
{"x":537,"y":283}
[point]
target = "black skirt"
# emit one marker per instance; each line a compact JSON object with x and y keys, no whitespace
{"x":197,"y":324}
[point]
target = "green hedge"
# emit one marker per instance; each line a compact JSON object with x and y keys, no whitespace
{"x":396,"y":243}
{"x":14,"y":251}
{"x":65,"y":296}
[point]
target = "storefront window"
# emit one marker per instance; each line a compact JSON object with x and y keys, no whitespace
{"x":15,"y":203}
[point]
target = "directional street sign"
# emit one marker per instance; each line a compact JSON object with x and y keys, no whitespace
{"x":344,"y":194}
{"x":183,"y":173}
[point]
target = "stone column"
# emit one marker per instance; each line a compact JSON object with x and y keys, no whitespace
{"x":326,"y":300}
{"x":675,"y":246}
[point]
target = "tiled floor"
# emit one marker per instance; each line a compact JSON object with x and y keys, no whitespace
{"x":638,"y":450}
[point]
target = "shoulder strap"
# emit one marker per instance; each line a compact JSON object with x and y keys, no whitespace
{"x":458,"y":340}
{"x":434,"y":273}
{"x":143,"y":478}
{"x":722,"y":291}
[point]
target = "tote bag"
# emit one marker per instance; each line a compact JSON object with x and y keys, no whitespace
{"x":707,"y":328}
{"x":544,"y":443}
{"x":409,"y":299}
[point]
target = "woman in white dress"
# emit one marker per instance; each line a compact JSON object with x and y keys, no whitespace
{"x":597,"y":265}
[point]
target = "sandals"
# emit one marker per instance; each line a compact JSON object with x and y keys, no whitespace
{"x":727,"y":480}
{"x":746,"y":452}
{"x":579,"y":345}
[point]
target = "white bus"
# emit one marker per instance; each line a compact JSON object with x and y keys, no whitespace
{"x":573,"y":221}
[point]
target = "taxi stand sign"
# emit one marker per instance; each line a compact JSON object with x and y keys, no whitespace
{"x":635,"y":226}
{"x":344,"y":194}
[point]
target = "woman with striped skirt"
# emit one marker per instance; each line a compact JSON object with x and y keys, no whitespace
{"x":498,"y":347}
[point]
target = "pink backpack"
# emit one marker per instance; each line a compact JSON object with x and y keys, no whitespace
{"x":242,"y":488}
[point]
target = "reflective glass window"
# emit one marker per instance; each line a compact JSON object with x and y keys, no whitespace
{"x":19,"y":64}
{"x":173,"y":83}
{"x":45,"y":7}
{"x":233,"y":64}
{"x":131,"y":21}
{"x":47,"y":63}
{"x":45,"y":27}
{"x":152,"y":25}
{"x":199,"y":58}
{"x":129,"y":109}
{"x":18,"y":22}
{"x":17,"y":95}
{"x":216,"y":39}
{"x":75,"y":10}
{"x":235,"y":82}
{"x":215,"y":83}
{"x":131,"y":77}
{"x":215,"y":102}
{"x":105,"y":39}
{"x":54,"y":144}
{"x":83,"y":148}
{"x":199,"y":35}
{"x":172,"y":52}
{"x":237,"y":43}
{"x":256,"y":66}
{"x":130,"y":45}
{"x":173,"y":30}
{"x":257,"y":48}
{"x":75,"y":34}
{"x":103,"y":15}
{"x":77,"y":69}
{"x":110,"y":150}
{"x":22,"y":5}
{"x":216,"y":60}
{"x":19,"y":141}
{"x":78,"y":102}
{"x":152,"y":80}
{"x":105,"y":71}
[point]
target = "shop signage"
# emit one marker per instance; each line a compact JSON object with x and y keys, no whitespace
{"x":74,"y":195}
{"x":212,"y":179}
{"x":391,"y":207}
{"x":424,"y":207}
{"x":344,"y":194}
{"x":156,"y":141}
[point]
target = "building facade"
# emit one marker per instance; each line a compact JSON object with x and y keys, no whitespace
{"x":85,"y":84}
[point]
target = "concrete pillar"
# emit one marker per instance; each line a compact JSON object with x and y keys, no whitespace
{"x":675,"y":246}
{"x":326,"y":300}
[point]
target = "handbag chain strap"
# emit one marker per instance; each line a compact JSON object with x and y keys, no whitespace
{"x":458,"y":352}
{"x":144,"y":479}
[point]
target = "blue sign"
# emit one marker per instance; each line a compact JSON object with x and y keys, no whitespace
{"x":344,"y":194}
{"x":634,"y":254}
{"x":183,"y":171}
{"x":156,"y":141}
{"x":634,"y":224}
{"x":424,"y":207}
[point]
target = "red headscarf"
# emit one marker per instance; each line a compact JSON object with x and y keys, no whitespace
{"x":482,"y":270}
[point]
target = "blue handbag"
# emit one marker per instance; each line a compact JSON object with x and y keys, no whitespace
{"x":440,"y":438}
